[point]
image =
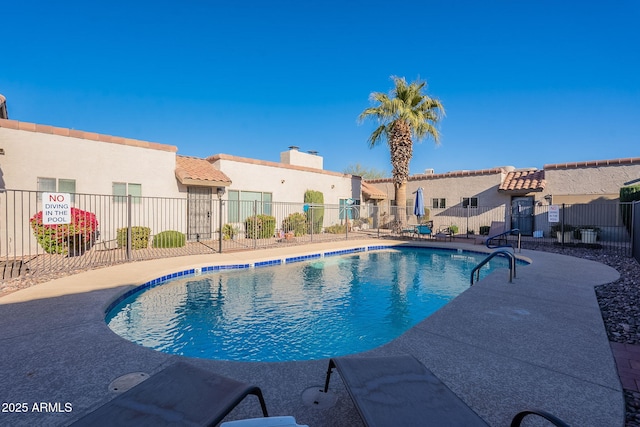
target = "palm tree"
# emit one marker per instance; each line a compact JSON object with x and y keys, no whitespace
{"x":404,"y":114}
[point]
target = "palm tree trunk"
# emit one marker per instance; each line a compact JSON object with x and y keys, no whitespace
{"x":401,"y":147}
{"x":401,"y":203}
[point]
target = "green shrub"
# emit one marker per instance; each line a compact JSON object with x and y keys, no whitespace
{"x":169,"y":239}
{"x":628,"y":194}
{"x":73,"y":238}
{"x":228,"y":232}
{"x":260,"y":226}
{"x":296,"y":222}
{"x":315,"y":213}
{"x":336,"y":229}
{"x":454,"y":229}
{"x":139,"y":237}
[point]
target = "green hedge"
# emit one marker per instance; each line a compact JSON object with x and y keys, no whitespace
{"x":296,"y":222}
{"x":260,"y":226}
{"x":315,"y":213}
{"x":169,"y":239}
{"x":139,"y":237}
{"x":336,"y":229}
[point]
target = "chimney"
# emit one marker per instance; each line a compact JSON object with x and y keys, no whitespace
{"x":294,"y":157}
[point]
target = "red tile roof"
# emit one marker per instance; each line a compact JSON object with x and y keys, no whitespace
{"x":32,"y":127}
{"x":453,"y":174}
{"x":195,"y":171}
{"x":371,"y":192}
{"x":594,"y":163}
{"x":523,"y":181}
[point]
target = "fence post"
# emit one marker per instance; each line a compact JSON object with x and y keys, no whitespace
{"x":220,"y":224}
{"x":346,"y":221}
{"x":129,"y":213}
{"x":312,"y":223}
{"x":635,"y":230}
{"x":562,"y":226}
{"x":255,"y":224}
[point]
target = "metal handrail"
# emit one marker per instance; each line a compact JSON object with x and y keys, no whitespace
{"x":510,"y":232}
{"x":500,"y":252}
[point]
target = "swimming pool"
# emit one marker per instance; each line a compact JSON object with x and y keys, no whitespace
{"x":324,"y":307}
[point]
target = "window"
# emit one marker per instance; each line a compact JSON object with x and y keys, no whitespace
{"x":241,"y":204}
{"x":352,"y":210}
{"x":122,"y":189}
{"x":470,"y":202}
{"x":438,"y":203}
{"x":54,"y":185}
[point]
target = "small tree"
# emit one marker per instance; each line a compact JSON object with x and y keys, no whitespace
{"x":364,"y":172}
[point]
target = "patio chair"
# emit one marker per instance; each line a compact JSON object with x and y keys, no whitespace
{"x":180,"y":394}
{"x":401,"y":391}
{"x":264,"y":422}
{"x":444,"y":233}
{"x":496,"y":228}
{"x":423,"y":230}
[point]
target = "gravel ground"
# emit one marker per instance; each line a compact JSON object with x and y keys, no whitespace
{"x":619,"y":303}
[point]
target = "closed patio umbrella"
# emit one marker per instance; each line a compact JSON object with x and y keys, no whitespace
{"x":418,"y":208}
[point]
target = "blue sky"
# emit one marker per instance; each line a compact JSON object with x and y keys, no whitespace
{"x":523,"y":82}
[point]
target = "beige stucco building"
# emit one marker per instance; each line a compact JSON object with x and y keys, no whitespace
{"x":519,"y":197}
{"x":101,"y":171}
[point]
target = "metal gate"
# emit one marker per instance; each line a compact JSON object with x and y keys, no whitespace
{"x":522,"y":214}
{"x":199,"y":213}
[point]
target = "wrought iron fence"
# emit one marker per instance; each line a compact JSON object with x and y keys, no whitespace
{"x":106,"y":229}
{"x":635,"y":218}
{"x":607,"y":226}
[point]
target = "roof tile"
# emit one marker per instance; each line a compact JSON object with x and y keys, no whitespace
{"x":372,"y":192}
{"x":524,"y":181}
{"x":193,"y":168}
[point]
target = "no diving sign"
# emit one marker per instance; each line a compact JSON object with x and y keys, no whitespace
{"x":554,"y":213}
{"x":56,"y":208}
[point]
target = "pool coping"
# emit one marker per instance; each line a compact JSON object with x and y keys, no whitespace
{"x":196,"y":271}
{"x":500,"y":347}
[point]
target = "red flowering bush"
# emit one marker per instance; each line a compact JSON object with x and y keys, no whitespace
{"x":63,"y":238}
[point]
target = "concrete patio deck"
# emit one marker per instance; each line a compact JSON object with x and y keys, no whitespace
{"x":536,"y":343}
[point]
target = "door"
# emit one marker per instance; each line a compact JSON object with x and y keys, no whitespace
{"x":522,"y":214}
{"x":199,"y":204}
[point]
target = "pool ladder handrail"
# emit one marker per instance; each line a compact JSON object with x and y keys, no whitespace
{"x":511,"y":232}
{"x":500,"y":252}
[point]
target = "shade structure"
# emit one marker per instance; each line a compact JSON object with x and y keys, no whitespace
{"x":418,"y":207}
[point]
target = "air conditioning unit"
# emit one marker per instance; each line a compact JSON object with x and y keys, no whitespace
{"x":429,"y":171}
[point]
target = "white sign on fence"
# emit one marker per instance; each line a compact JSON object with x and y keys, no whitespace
{"x":56,"y":208}
{"x":554,"y":213}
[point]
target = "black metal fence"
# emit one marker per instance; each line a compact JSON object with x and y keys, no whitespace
{"x":635,"y":244}
{"x":106,"y":229}
{"x":605,"y":226}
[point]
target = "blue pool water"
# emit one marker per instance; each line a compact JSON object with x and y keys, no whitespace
{"x":327,"y":307}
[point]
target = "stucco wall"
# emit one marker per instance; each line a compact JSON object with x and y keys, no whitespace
{"x":288,"y":184}
{"x":94,"y":165}
{"x":589,"y":183}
